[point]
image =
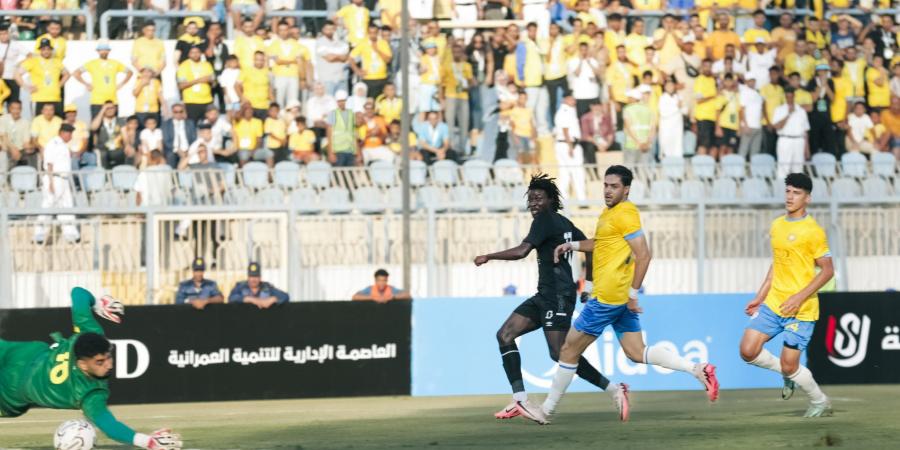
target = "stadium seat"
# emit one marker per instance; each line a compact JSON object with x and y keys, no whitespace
{"x":287,"y":175}
{"x":884,"y":164}
{"x":444,"y":173}
{"x":755,"y":189}
{"x":496,"y":199}
{"x":34,"y":199}
{"x":845,"y":189}
{"x":507,"y":172}
{"x":692,"y":190}
{"x":395,"y":200}
{"x":23,"y":178}
{"x":464,"y":199}
{"x":229,"y":173}
{"x":255,"y":174}
{"x":186,"y":179}
{"x":662,"y":190}
{"x":418,"y":173}
{"x":124,"y":177}
{"x":93,"y":180}
{"x":724,"y":190}
{"x":689,"y":143}
{"x":875,"y":188}
{"x":673,"y":168}
{"x":638,"y":191}
{"x":853,"y":164}
{"x":369,"y":200}
{"x":305,"y":201}
{"x":733,"y":166}
{"x":11,"y":199}
{"x":476,"y":172}
{"x":337,"y":200}
{"x":518,"y":195}
{"x":80,"y":199}
{"x":238,"y":195}
{"x":704,"y":166}
{"x":318,"y":175}
{"x":269,"y":196}
{"x":432,"y":197}
{"x":820,"y":192}
{"x":383,"y":173}
{"x":762,"y":165}
{"x":105,"y":199}
{"x":825,"y":165}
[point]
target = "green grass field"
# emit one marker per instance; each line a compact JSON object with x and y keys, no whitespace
{"x":866,"y":417}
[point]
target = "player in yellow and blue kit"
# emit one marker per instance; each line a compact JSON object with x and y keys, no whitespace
{"x":621,"y":257}
{"x":72,"y":373}
{"x":787,"y":301}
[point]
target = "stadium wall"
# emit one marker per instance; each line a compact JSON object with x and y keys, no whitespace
{"x":451,"y":336}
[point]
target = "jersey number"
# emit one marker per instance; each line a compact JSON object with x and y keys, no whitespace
{"x":60,"y":372}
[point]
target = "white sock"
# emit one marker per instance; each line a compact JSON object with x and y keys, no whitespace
{"x":612,"y":389}
{"x":561,"y":381}
{"x":767,"y":360}
{"x":803,"y":377}
{"x":520,"y":396}
{"x":663,"y":357}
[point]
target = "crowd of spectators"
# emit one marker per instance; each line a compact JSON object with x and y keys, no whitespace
{"x":714,"y":77}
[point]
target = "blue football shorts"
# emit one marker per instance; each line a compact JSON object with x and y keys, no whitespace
{"x":797,"y":333}
{"x":597,"y":316}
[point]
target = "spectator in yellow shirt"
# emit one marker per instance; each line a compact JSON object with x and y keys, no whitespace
{"x":247,"y":43}
{"x":457,"y":79}
{"x":104,"y":84}
{"x":148,"y":50}
{"x":388,"y":105}
{"x":705,"y":95}
{"x":393,"y":141}
{"x":429,"y":80}
{"x":275,"y":130}
{"x":355,"y":18}
{"x":57,"y":41}
{"x":302,"y":142}
{"x":374,"y":56}
{"x":636,"y":42}
{"x":723,"y":36}
{"x":286,"y":57}
{"x":45,"y":127}
{"x":757,"y":31}
{"x":728,"y":117}
{"x":148,"y":97}
{"x":523,"y":136}
{"x":47,"y":78}
{"x":195,"y":78}
{"x":248,"y":132}
{"x":801,"y":62}
{"x":878,"y":89}
{"x":254,"y":86}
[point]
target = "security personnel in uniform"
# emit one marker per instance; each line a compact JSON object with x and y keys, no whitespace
{"x":255,"y":291}
{"x":198,"y":291}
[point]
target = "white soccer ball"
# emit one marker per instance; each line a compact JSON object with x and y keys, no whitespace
{"x":75,"y":434}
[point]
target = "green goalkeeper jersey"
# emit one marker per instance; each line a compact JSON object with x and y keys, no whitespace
{"x":38,"y":374}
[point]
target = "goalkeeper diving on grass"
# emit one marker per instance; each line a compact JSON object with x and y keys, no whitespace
{"x":72,"y":373}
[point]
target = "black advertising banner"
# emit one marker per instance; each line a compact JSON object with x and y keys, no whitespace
{"x":857,"y":339}
{"x":175,"y":353}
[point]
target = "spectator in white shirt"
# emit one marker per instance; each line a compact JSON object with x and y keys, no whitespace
{"x":56,"y":184}
{"x":739,"y":66}
{"x":11,"y":55}
{"x":151,"y":138}
{"x":859,"y":124}
{"x":220,"y":146}
{"x":671,"y":121}
{"x":792,"y":126}
{"x":895,"y":80}
{"x":205,"y":139}
{"x":227,"y":81}
{"x":760,"y":61}
{"x":332,"y":55}
{"x":319,"y":107}
{"x":567,"y":133}
{"x":154,"y":182}
{"x":751,"y":126}
{"x":584,"y":71}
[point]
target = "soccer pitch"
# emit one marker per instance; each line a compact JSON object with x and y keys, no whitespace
{"x":865,"y":417}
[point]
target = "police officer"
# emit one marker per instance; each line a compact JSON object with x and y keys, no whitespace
{"x":255,"y":291}
{"x":198,"y":291}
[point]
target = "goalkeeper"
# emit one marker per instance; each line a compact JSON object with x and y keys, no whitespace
{"x":72,"y":373}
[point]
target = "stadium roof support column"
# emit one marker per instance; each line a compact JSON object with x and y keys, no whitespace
{"x":404,"y":143}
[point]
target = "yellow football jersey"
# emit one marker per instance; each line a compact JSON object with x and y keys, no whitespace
{"x":613,"y":262}
{"x":796,"y":244}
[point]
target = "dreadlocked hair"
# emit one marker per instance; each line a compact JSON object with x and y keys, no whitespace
{"x":543,"y":182}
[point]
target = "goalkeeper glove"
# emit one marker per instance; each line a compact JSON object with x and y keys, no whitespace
{"x":162,"y":439}
{"x":109,"y":309}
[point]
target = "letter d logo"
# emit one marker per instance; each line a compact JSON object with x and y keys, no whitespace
{"x":143,"y":358}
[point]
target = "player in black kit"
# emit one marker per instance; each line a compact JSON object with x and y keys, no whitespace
{"x":552,"y":307}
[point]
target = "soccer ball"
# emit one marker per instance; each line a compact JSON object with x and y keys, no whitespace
{"x":75,"y":434}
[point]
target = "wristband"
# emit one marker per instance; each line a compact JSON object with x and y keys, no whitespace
{"x":574,"y":245}
{"x":632,"y":293}
{"x":141,"y":440}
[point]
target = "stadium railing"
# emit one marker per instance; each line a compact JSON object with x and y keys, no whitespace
{"x":114,"y":13}
{"x":83,"y":12}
